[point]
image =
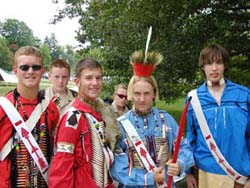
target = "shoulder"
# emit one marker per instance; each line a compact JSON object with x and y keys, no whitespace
{"x":163,"y":112}
{"x":235,"y":86}
{"x":72,"y":118}
{"x":10,"y":96}
{"x":74,"y":93}
{"x":170,"y":120}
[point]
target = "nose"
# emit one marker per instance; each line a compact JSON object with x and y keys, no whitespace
{"x":94,"y":81}
{"x":141,"y":98}
{"x":214,"y":66}
{"x":30,"y":69}
{"x":60,"y":79}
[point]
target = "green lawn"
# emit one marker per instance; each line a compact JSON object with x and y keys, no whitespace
{"x":175,"y":108}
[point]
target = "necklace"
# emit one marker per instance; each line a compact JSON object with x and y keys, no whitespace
{"x":141,"y":113}
{"x":216,"y":84}
{"x":26,"y":168}
{"x":151,"y":138}
{"x":137,"y":114}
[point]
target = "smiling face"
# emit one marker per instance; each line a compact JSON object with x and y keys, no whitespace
{"x":29,"y":78}
{"x":143,"y":95}
{"x":89,"y":83}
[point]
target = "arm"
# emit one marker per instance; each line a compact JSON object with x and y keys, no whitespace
{"x":61,"y":171}
{"x":185,"y":157}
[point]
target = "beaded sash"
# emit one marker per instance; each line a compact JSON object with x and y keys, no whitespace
{"x":102,"y":157}
{"x":26,"y":136}
{"x":141,"y":158}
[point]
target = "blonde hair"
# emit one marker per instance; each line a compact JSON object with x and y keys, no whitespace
{"x":29,"y":51}
{"x":121,"y":85}
{"x":151,"y":80}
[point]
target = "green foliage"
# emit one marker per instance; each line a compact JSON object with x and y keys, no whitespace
{"x":53,"y":46}
{"x":46,"y":55}
{"x":180,"y":30}
{"x":17,"y":33}
{"x":5,"y":55}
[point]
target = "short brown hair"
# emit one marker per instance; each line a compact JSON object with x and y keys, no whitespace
{"x":60,"y":63}
{"x":86,"y":63}
{"x":28,"y":50}
{"x":213,"y":53}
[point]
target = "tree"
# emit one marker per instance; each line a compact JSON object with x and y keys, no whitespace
{"x":5,"y":55}
{"x":46,"y":55}
{"x":17,"y":33}
{"x":68,"y":54}
{"x":180,"y":30}
{"x":53,"y":45}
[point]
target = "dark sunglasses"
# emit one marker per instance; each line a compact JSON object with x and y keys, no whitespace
{"x":122,"y":96}
{"x":27,"y":67}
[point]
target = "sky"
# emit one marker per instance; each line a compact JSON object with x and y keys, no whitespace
{"x":37,"y":15}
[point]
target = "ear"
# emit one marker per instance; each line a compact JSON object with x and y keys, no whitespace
{"x":49,"y":75}
{"x":77,"y":81}
{"x":43,"y":71}
{"x":14,"y":69}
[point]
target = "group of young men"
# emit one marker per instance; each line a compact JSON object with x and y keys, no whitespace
{"x":58,"y":137}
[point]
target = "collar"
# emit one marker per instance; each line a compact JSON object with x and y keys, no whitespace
{"x":216,"y":84}
{"x":144,"y":113}
{"x":84,"y":107}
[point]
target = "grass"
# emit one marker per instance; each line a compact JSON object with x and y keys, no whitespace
{"x":5,"y":86}
{"x":175,"y":108}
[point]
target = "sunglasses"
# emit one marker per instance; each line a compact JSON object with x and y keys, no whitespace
{"x":27,"y":67}
{"x":121,"y":96}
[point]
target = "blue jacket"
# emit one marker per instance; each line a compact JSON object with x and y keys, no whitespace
{"x":138,"y":176}
{"x":229,"y":124}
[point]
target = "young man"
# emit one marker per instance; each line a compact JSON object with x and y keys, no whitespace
{"x":220,"y":136}
{"x":27,"y":123}
{"x":83,"y":155}
{"x":59,"y":75}
{"x":148,"y":133}
{"x":119,"y":105}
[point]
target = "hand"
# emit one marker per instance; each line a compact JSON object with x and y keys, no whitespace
{"x":191,"y":182}
{"x":173,"y":168}
{"x":247,"y":185}
{"x":159,"y":174}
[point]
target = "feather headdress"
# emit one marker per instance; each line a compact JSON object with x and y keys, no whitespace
{"x":145,"y":63}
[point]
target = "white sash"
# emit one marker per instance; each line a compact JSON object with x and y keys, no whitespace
{"x":211,"y":142}
{"x":31,"y":122}
{"x":26,"y":136}
{"x":140,"y":148}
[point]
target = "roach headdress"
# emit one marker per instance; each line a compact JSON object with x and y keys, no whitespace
{"x":145,"y":63}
